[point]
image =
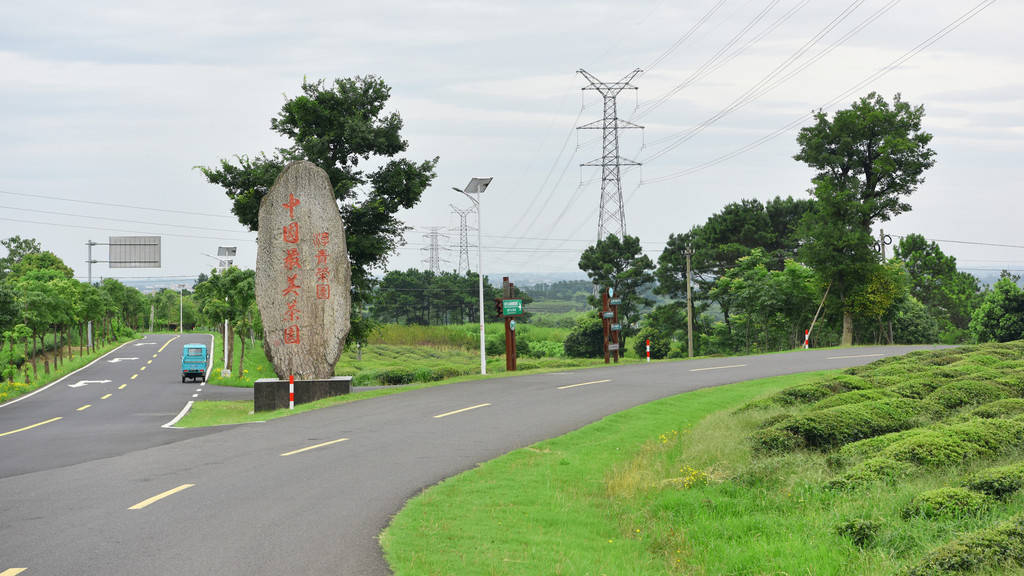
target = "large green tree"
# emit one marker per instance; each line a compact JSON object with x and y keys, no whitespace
{"x":725,"y":238}
{"x":622,"y":265}
{"x":949,"y":295}
{"x":1000,"y":317}
{"x":343,"y":128}
{"x":868,"y":159}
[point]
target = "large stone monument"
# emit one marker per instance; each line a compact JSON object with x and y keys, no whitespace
{"x":303,"y":275}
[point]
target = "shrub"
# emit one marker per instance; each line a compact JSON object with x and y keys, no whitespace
{"x":958,"y":443}
{"x":994,"y":547}
{"x":878,"y":469}
{"x":860,"y":530}
{"x":1000,"y":408}
{"x":998,"y":482}
{"x":833,"y":427}
{"x":660,"y":344}
{"x":966,"y":393}
{"x":946,"y":502}
{"x":395,"y":376}
{"x":586,"y":340}
{"x":853,"y":397}
{"x":775,"y":441}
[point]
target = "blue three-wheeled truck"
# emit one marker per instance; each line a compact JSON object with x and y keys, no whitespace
{"x":193,"y":362}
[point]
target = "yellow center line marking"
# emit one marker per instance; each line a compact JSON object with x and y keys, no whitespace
{"x":107,"y":396}
{"x":30,"y":427}
{"x":718,"y":367}
{"x":858,"y":356}
{"x":12,"y":571}
{"x":122,"y":386}
{"x":133,"y":376}
{"x":143,"y":368}
{"x":462,"y":410}
{"x":154,"y":355}
{"x":165,"y":345}
{"x":149,"y":361}
{"x":314,"y":447}
{"x":84,"y":407}
{"x":171,"y":492}
{"x":583,"y":384}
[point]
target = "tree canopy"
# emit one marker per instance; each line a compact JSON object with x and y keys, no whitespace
{"x":622,"y":265}
{"x":342,"y":128}
{"x":868,"y":158}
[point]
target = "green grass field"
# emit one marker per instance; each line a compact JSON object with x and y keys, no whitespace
{"x":688,"y":485}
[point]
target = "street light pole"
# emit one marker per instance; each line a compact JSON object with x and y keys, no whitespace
{"x":477,"y":186}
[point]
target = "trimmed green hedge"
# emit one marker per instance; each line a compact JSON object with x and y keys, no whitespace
{"x":946,"y":502}
{"x":1000,"y":482}
{"x":833,"y":427}
{"x":997,"y":547}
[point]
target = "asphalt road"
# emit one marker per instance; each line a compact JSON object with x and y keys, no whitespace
{"x":307,"y":494}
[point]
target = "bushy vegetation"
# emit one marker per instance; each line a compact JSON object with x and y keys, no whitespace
{"x":951,"y":418}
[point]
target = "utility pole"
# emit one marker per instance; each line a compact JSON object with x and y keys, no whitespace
{"x":689,"y":302}
{"x":612,"y":215}
{"x":463,"y":238}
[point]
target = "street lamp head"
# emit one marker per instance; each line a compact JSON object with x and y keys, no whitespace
{"x":477,"y":185}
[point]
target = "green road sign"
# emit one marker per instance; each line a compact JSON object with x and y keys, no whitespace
{"x":511,"y":307}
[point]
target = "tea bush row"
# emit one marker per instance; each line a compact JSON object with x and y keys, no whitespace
{"x":999,"y":547}
{"x":834,"y":427}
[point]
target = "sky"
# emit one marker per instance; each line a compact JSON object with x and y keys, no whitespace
{"x":108,"y":107}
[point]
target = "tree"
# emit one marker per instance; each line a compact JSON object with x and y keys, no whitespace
{"x":868,"y":158}
{"x":17,"y":248}
{"x":1001,"y":314}
{"x":620,"y":264}
{"x":338,"y":127}
{"x":947,"y":294}
{"x":727,"y":236}
{"x":229,"y":296}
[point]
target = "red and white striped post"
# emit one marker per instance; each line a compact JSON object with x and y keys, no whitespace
{"x":291,"y":392}
{"x":807,"y":337}
{"x":648,"y":349}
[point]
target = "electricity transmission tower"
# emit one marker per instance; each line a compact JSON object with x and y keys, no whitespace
{"x":463,"y":238}
{"x":433,"y":249}
{"x":612,"y":216}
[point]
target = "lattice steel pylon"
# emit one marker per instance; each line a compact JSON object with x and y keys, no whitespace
{"x":612,"y":215}
{"x":463,"y":238}
{"x":433,"y":248}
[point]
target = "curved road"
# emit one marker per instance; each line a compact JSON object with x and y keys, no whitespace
{"x":301,"y":495}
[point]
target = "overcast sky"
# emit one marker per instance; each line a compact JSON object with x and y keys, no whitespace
{"x":108,"y":106}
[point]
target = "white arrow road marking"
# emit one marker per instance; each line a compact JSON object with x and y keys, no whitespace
{"x":119,"y":359}
{"x":87,"y":382}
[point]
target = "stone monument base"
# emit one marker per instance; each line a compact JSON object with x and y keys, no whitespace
{"x":271,"y":393}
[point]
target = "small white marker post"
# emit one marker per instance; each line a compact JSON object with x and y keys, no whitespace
{"x":291,"y":392}
{"x":648,"y":349}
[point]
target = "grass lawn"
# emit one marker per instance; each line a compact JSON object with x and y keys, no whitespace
{"x":714,"y":482}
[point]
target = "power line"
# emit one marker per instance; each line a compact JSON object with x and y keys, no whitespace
{"x":117,"y":230}
{"x":119,"y":220}
{"x":93,"y":202}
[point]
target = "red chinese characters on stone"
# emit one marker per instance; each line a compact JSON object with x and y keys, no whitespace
{"x":291,"y":204}
{"x":293,"y":311}
{"x":291,"y":259}
{"x":291,"y":335}
{"x":292,"y":287}
{"x":291,"y":233}
{"x":323,"y":291}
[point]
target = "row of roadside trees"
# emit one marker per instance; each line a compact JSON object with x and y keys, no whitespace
{"x":763,"y":273}
{"x":45,"y":314}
